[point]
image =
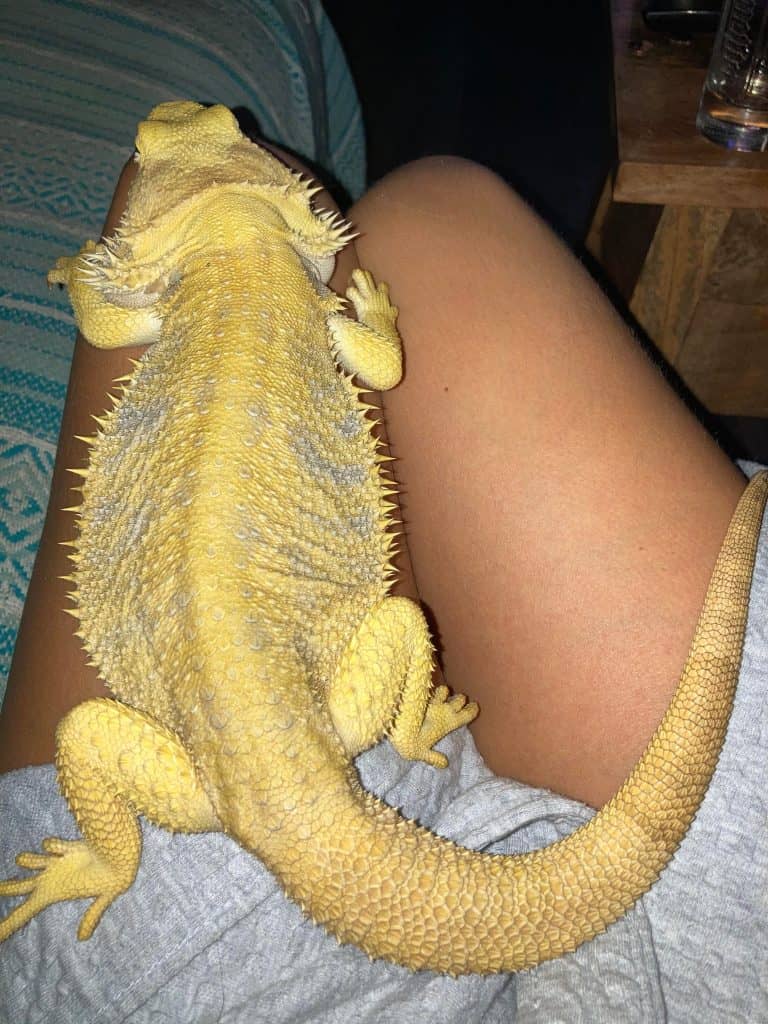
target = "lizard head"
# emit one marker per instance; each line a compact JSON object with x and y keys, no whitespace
{"x":198,"y":155}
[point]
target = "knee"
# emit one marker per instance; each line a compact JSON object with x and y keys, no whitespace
{"x":451,"y":188}
{"x":464,"y":211}
{"x":438,"y":178}
{"x":83,"y":721}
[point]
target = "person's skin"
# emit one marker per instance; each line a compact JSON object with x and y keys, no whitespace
{"x":563,"y":509}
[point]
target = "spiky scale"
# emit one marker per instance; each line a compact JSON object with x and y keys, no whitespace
{"x":287,"y":543}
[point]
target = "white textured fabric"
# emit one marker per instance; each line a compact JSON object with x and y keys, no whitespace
{"x":206,"y":936}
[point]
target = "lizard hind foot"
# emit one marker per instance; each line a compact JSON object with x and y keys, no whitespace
{"x":442,"y":715}
{"x":67,"y":870}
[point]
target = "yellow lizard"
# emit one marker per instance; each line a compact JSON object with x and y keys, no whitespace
{"x":232,"y":576}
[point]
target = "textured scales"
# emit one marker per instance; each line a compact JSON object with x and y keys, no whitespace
{"x":231,"y":581}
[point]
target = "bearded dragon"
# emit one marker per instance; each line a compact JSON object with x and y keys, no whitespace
{"x":232,"y":578}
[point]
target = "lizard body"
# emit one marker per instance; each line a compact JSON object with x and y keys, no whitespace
{"x":231,"y":581}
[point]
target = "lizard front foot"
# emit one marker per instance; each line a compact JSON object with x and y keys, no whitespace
{"x":369,"y":347}
{"x":371,"y":301}
{"x":67,"y":870}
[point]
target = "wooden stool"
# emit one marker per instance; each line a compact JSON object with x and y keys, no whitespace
{"x":682,"y":226}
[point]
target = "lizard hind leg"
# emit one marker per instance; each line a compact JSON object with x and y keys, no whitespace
{"x":113,"y":763}
{"x":383,"y":686}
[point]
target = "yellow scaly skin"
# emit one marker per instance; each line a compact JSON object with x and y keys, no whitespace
{"x":231,"y":581}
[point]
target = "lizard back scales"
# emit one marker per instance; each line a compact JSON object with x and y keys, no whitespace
{"x":231,"y":581}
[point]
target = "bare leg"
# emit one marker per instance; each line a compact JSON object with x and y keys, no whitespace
{"x":564,"y":510}
{"x":49,"y":674}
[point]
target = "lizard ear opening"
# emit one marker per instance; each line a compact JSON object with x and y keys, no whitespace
{"x":110,"y":269}
{"x":324,"y":267}
{"x":104,"y":322}
{"x":145,"y":294}
{"x":318,"y":238}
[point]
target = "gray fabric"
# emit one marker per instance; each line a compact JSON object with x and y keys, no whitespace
{"x":206,"y":936}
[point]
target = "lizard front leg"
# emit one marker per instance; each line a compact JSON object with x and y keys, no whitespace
{"x":383,"y":686}
{"x":369,"y":347}
{"x":89,"y":278}
{"x":113,"y":763}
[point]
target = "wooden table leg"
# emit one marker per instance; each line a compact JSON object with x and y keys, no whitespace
{"x":696,"y":280}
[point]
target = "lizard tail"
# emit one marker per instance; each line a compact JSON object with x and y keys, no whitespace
{"x":399,"y":892}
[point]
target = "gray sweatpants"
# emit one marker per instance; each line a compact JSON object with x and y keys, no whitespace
{"x":205,"y":935}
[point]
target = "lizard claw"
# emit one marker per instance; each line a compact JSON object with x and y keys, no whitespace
{"x":370,"y":300}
